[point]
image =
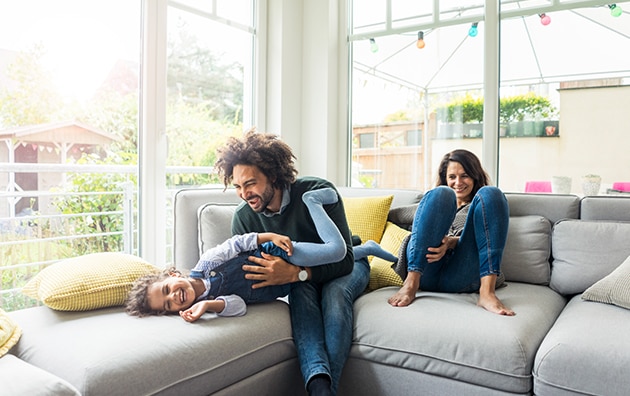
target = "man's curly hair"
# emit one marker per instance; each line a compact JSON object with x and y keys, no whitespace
{"x":266,"y":151}
{"x":136,"y":303}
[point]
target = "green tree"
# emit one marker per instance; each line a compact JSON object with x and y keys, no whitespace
{"x":30,"y":97}
{"x":200,"y":76}
{"x":98,"y":211}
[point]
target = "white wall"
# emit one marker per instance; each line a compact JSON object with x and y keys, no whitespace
{"x":307,"y":83}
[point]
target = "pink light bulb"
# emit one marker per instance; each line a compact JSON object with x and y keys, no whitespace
{"x":545,"y":19}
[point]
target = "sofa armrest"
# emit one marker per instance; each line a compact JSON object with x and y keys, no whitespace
{"x":21,"y":378}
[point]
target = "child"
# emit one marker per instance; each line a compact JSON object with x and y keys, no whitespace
{"x":217,"y":283}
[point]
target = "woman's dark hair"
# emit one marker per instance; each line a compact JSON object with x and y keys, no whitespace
{"x":266,"y":151}
{"x":471,"y":165}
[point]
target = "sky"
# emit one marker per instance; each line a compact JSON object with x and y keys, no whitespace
{"x":82,"y":39}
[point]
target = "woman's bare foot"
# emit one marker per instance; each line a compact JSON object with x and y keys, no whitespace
{"x":407,"y":292}
{"x":489,"y":300}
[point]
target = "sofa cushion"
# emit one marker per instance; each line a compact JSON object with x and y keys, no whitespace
{"x":527,"y":250}
{"x":87,"y":282}
{"x":10,"y":332}
{"x":20,"y":378}
{"x":613,"y":289}
{"x":586,"y":251}
{"x":215,"y":225}
{"x":367,"y":216}
{"x":585,"y":352}
{"x":107,"y":352}
{"x":381,"y":272}
{"x":448,"y":335}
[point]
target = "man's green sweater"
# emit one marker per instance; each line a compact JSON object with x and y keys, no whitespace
{"x":295,"y":222}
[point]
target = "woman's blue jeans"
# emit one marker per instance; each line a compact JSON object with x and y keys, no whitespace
{"x":322,"y":319}
{"x":479,"y":249}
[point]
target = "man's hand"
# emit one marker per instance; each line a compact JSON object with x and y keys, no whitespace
{"x":271,"y":270}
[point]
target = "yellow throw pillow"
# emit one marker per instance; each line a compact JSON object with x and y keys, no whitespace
{"x":367,"y":216}
{"x":10,"y":333}
{"x":88,"y":282}
{"x":381,"y":272}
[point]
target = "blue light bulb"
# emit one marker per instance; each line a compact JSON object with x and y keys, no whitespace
{"x":472,"y":32}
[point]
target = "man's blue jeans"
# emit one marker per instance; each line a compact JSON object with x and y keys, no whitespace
{"x":322,"y":320}
{"x":479,"y":249}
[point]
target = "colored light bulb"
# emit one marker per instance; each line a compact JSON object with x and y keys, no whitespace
{"x":472,"y":32}
{"x":615,"y":10}
{"x":420,"y":43}
{"x":373,"y":45}
{"x":545,"y":19}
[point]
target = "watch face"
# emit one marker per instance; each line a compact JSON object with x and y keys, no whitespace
{"x":303,"y":275}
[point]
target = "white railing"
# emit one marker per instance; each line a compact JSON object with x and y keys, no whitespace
{"x":29,"y":243}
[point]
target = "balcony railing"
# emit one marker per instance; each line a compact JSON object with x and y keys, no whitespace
{"x":32,"y":240}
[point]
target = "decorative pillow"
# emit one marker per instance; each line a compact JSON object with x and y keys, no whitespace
{"x":403,"y":216}
{"x":381,"y":272}
{"x":367,"y":216}
{"x":88,"y":282}
{"x":10,"y":332}
{"x":215,"y":225}
{"x":586,"y":251}
{"x":527,"y":250}
{"x":613,"y":289}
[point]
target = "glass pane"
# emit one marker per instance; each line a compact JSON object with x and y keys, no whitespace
{"x":399,"y":95}
{"x":560,"y":108}
{"x":68,"y":134}
{"x":368,"y":15}
{"x":210,"y":83}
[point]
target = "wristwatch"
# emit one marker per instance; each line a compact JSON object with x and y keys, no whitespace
{"x":303,"y":274}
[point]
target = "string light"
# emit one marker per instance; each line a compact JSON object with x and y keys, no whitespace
{"x":420,"y":43}
{"x":545,"y":19}
{"x":373,"y":45}
{"x":472,"y":32}
{"x":615,"y":10}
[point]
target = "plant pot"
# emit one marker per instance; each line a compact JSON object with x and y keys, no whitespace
{"x":591,"y":184}
{"x":560,"y":184}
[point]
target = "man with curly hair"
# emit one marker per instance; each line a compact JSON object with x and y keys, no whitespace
{"x":261,"y":168}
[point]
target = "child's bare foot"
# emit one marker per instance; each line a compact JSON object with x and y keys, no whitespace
{"x":407,"y":292}
{"x":490,"y":302}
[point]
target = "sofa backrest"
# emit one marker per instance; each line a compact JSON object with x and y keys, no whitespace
{"x":614,"y":208}
{"x":202,"y":217}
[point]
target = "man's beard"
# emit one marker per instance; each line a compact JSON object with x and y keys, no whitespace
{"x":264,"y":200}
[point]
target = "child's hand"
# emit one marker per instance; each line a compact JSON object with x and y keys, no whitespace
{"x":193,"y":313}
{"x":283,"y":242}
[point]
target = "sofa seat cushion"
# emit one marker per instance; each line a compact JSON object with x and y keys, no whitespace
{"x":107,"y":352}
{"x":585,"y":352}
{"x":448,"y":335}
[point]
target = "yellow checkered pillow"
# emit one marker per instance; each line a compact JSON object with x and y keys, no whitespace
{"x":87,"y":282}
{"x":381,"y":272}
{"x":367,"y":216}
{"x":10,"y":333}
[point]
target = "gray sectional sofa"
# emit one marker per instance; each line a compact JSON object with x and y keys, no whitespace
{"x":442,"y":344}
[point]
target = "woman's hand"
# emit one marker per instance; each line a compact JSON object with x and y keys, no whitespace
{"x":271,"y":270}
{"x":436,"y":253}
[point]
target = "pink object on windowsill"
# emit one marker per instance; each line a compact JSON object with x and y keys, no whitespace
{"x":621,"y":186}
{"x":538,"y":186}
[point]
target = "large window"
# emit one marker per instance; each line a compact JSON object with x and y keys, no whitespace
{"x":560,"y":96}
{"x":73,"y":114}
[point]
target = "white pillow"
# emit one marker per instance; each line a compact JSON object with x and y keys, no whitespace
{"x":215,"y":224}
